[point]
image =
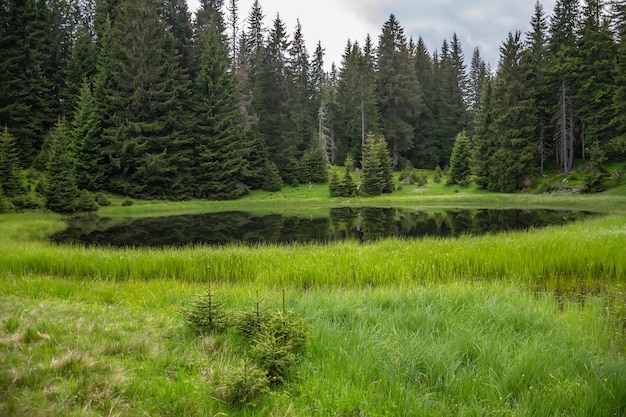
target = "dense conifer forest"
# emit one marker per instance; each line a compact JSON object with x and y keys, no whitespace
{"x":145,"y":99}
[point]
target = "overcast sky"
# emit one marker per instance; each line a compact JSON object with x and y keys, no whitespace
{"x":477,"y":23}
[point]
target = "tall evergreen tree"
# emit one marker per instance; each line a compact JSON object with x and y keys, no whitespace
{"x":537,"y":40}
{"x":376,"y":176}
{"x":476,"y":82}
{"x":460,"y":161}
{"x":513,"y":162}
{"x":145,"y":88}
{"x":272,"y":97}
{"x":60,"y":187}
{"x":178,"y":19}
{"x":84,"y":130}
{"x":218,"y":134}
{"x":618,"y":144}
{"x":562,"y":66}
{"x":426,"y":152}
{"x":256,"y":34}
{"x":349,"y":128}
{"x":398,"y":91}
{"x":301,"y":91}
{"x":594,"y":81}
{"x":313,"y":166}
{"x":10,"y":171}
{"x":81,"y":64}
{"x":450,"y":112}
{"x":485,"y":138}
{"x":25,"y":106}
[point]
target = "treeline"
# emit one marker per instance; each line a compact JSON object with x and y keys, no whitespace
{"x":136,"y":97}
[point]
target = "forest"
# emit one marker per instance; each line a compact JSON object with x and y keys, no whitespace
{"x":144,"y":99}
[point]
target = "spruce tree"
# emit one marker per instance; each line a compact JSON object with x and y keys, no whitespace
{"x":81,"y":64}
{"x":348,"y":98}
{"x":84,"y":130}
{"x":398,"y":91}
{"x":450,"y":116}
{"x":272,"y":104}
{"x":60,"y":190}
{"x":178,"y":19}
{"x":485,"y":137}
{"x":218,"y":134}
{"x":537,"y":40}
{"x":426,"y":152}
{"x":618,"y":144}
{"x":10,"y":171}
{"x":145,"y":88}
{"x":313,"y":167}
{"x":377,"y":173}
{"x":594,"y":81}
{"x":513,"y":162}
{"x":476,"y":83}
{"x":271,"y":177}
{"x":563,"y":63}
{"x":301,"y":92}
{"x":460,"y":161}
{"x":24,"y":101}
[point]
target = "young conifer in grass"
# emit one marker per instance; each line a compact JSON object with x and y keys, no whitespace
{"x":207,"y":313}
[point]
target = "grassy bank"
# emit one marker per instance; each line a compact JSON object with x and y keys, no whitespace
{"x":513,"y":324}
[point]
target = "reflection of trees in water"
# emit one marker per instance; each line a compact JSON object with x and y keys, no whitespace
{"x":362,"y":224}
{"x":377,"y":223}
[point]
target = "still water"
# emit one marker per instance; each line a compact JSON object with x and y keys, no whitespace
{"x":346,"y":223}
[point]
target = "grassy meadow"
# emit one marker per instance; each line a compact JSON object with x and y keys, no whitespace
{"x":511,"y":324}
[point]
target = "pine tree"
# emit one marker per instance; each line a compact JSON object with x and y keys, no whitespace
{"x":217,"y":129}
{"x":145,"y":88}
{"x":60,"y":190}
{"x":399,"y":94}
{"x":460,"y":161}
{"x":10,"y":171}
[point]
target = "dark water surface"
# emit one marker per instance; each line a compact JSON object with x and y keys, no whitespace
{"x":361,"y":224}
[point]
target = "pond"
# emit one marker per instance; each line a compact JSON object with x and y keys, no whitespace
{"x":362,"y":224}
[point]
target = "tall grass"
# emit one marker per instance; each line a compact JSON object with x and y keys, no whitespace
{"x":464,"y":349}
{"x":591,"y":250}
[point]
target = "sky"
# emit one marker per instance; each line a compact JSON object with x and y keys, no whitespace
{"x":477,"y":23}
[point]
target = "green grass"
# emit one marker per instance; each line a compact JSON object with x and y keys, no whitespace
{"x":511,"y":324}
{"x":99,"y":348}
{"x":591,"y":250}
